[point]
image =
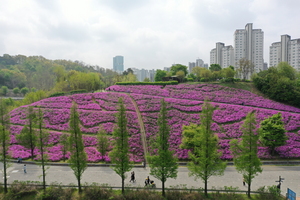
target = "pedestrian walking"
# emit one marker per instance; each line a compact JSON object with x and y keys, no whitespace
{"x":147,"y":181}
{"x":132,"y":177}
{"x":25,"y":169}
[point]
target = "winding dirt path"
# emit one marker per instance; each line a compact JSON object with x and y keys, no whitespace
{"x":142,"y":127}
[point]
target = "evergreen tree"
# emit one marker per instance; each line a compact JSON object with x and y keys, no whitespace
{"x":272,"y":132}
{"x":163,"y":165}
{"x":42,"y":144}
{"x":78,"y":158}
{"x":28,"y":137}
{"x":120,"y":153}
{"x":4,"y":139}
{"x":205,"y":158}
{"x":103,"y":142}
{"x":245,"y":158}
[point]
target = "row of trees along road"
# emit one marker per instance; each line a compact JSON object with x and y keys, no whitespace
{"x":205,"y":158}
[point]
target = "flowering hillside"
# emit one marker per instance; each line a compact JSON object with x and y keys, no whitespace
{"x":94,"y":109}
{"x":184,"y":105}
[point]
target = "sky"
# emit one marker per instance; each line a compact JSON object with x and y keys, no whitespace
{"x":150,"y":34}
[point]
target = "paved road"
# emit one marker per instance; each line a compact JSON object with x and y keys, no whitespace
{"x":64,"y":175}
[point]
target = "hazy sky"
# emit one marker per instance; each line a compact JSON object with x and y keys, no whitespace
{"x":150,"y":34}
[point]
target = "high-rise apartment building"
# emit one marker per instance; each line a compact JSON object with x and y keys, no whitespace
{"x":287,"y":50}
{"x":249,"y":43}
{"x":118,"y":64}
{"x":222,"y":55}
{"x":199,"y":62}
{"x":191,"y":66}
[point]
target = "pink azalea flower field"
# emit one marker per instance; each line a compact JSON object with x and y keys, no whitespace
{"x":184,"y":106}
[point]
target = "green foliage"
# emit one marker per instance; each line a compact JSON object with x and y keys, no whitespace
{"x":16,"y":90}
{"x":148,"y":83}
{"x":32,"y":97}
{"x":103,"y":141}
{"x":159,"y":75}
{"x":272,"y":132}
{"x":190,"y":79}
{"x":4,"y":90}
{"x":28,"y":137}
{"x":78,"y":91}
{"x":120,"y":153}
{"x":78,"y":158}
{"x":57,"y":94}
{"x":270,"y":192}
{"x":146,"y":79}
{"x":279,"y":83}
{"x":163,"y":165}
{"x":24,"y":90}
{"x":205,"y":158}
{"x":245,"y":68}
{"x":215,"y":67}
{"x":178,"y":67}
{"x":64,"y":143}
{"x":244,"y":152}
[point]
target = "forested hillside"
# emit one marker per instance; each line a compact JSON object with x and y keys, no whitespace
{"x":59,"y":75}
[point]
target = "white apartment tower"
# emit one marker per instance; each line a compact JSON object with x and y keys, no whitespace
{"x":287,"y":50}
{"x":248,"y":43}
{"x":222,"y":55}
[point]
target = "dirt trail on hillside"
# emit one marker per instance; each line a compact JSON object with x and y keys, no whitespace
{"x":142,"y":127}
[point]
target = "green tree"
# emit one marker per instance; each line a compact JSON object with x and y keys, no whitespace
{"x":78,"y":158}
{"x":4,"y":140}
{"x":163,"y":165}
{"x":160,"y":74}
{"x":178,"y":67}
{"x":4,"y":90}
{"x":228,"y":72}
{"x":215,"y":67}
{"x":103,"y":142}
{"x":205,"y":158}
{"x":244,"y":152}
{"x":64,"y":142}
{"x":120,"y":153}
{"x":146,"y":79}
{"x":284,"y":69}
{"x":42,"y":140}
{"x":245,"y":68}
{"x":24,"y":90}
{"x":16,"y":90}
{"x":272,"y":132}
{"x":28,"y":137}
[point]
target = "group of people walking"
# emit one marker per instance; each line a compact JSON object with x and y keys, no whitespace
{"x":148,"y":182}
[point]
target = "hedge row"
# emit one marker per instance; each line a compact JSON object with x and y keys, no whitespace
{"x":57,"y":94}
{"x":148,"y":83}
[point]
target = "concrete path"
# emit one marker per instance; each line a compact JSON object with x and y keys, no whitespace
{"x":105,"y":175}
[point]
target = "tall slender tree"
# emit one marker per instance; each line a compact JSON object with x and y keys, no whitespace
{"x":272,"y":132}
{"x":42,"y":144}
{"x":244,"y":152}
{"x":205,"y":158}
{"x":164,"y":164}
{"x":120,"y":153}
{"x":103,"y":142}
{"x":64,"y":143}
{"x":28,"y":137}
{"x":78,"y":158}
{"x":4,"y":139}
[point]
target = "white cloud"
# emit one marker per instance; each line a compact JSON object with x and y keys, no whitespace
{"x":149,"y":34}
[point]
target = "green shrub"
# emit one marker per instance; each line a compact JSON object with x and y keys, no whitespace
{"x":204,"y":79}
{"x":237,"y":80}
{"x":78,"y":91}
{"x":148,"y":83}
{"x":271,"y":192}
{"x":190,"y":79}
{"x":4,"y":90}
{"x":95,"y":191}
{"x":55,"y":192}
{"x":57,"y":94}
{"x":18,"y":189}
{"x":16,"y":90}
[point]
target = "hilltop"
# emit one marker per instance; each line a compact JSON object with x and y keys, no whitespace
{"x":143,"y":105}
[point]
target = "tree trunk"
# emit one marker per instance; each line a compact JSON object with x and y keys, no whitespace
{"x":163,"y":189}
{"x":122,"y":185}
{"x":205,"y":187}
{"x":249,"y":188}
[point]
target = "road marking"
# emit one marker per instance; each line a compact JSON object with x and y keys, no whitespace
{"x":14,"y":171}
